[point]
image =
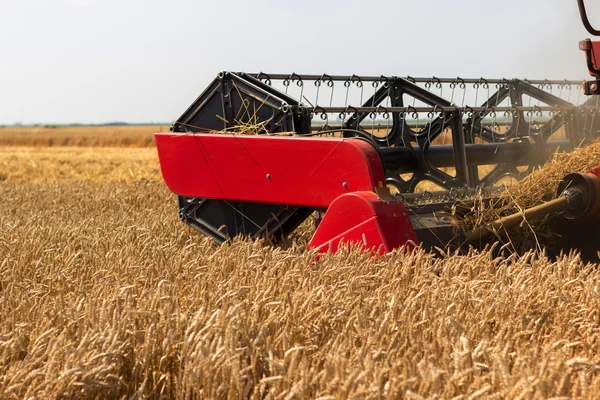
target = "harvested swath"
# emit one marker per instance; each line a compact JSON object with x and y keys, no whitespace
{"x":535,"y":189}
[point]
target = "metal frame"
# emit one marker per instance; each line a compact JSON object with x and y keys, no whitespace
{"x":414,"y":148}
{"x":225,"y":190}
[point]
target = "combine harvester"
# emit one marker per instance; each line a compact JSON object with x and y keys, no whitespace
{"x":256,"y":154}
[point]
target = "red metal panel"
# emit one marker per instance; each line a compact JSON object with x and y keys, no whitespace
{"x":364,"y":218}
{"x":594,"y":56}
{"x":594,"y":171}
{"x":269,"y":169}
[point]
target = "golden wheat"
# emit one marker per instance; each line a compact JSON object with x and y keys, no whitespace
{"x":102,"y":136}
{"x":104,"y":293}
{"x":95,"y":164}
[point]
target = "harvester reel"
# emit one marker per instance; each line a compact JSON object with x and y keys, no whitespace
{"x":437,"y":130}
{"x":413,"y":115}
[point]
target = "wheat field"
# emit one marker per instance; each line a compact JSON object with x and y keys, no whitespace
{"x":104,"y":293}
{"x":81,"y":136}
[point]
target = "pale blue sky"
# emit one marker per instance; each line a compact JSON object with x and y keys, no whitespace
{"x":92,"y":61}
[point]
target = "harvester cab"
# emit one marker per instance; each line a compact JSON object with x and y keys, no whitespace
{"x":388,"y":160}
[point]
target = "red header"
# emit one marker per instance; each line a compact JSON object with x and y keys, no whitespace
{"x":304,"y":171}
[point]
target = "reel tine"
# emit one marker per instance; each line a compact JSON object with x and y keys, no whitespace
{"x":354,"y":115}
{"x":438,"y":84}
{"x":386,"y":116}
{"x":261,"y":75}
{"x":569,"y":89}
{"x":373,"y":115}
{"x":494,"y":124}
{"x":325,"y":78}
{"x":469,"y":113}
{"x":347,"y":84}
{"x":299,"y":83}
{"x":359,"y":84}
{"x":485,"y":85}
{"x":431,"y":116}
{"x":463,"y":86}
{"x":318,"y":83}
{"x":402,"y":117}
{"x":413,"y":81}
{"x":482,"y":115}
{"x":453,"y":87}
